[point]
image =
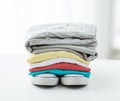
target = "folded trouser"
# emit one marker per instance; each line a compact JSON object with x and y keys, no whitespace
{"x":60,"y":72}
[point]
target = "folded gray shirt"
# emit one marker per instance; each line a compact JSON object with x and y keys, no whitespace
{"x":77,"y":38}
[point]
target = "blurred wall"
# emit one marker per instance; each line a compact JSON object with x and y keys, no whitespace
{"x":104,"y":10}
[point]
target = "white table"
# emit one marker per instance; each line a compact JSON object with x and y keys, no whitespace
{"x":15,"y":85}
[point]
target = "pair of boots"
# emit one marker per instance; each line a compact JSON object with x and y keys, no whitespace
{"x":53,"y":80}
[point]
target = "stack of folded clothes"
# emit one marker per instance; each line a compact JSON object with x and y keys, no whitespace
{"x":61,"y":52}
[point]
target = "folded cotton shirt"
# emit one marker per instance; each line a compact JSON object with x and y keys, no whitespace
{"x":61,"y":65}
{"x":77,"y":38}
{"x":35,"y":58}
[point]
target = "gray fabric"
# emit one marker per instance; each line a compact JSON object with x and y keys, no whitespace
{"x":62,"y":30}
{"x":79,"y":38}
{"x":67,"y":41}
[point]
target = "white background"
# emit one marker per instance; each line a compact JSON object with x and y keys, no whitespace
{"x":16,"y":16}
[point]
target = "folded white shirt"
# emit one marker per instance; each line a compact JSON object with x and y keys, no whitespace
{"x":57,"y":60}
